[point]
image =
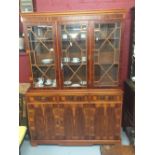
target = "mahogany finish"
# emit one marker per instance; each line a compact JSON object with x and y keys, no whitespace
{"x":75,"y":116}
{"x":90,"y":18}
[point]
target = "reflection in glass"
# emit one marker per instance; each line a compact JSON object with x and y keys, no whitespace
{"x":74,"y":55}
{"x":42,"y":53}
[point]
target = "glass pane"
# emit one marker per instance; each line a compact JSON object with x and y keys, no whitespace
{"x":106,"y":54}
{"x":44,"y":76}
{"x":41,"y":43}
{"x":74,"y":54}
{"x":42,"y":53}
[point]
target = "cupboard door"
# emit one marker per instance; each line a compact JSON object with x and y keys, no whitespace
{"x":54,"y":121}
{"x":106,"y":54}
{"x":63,"y":121}
{"x":101,"y":121}
{"x":36,"y":121}
{"x":108,"y":120}
{"x":41,"y":40}
{"x":74,"y":54}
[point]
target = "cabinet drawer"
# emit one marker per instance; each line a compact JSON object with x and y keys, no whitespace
{"x":109,"y":98}
{"x":74,"y":98}
{"x":42,"y":98}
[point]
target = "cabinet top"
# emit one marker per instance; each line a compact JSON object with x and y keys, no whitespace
{"x":91,"y":12}
{"x":47,"y":92}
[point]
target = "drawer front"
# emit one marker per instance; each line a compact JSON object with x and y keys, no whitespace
{"x":73,"y":98}
{"x":105,"y":98}
{"x":42,"y":98}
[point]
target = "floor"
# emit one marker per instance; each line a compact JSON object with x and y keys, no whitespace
{"x":118,"y":150}
{"x":27,"y":149}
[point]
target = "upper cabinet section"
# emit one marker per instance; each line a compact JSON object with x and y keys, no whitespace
{"x":74,"y":49}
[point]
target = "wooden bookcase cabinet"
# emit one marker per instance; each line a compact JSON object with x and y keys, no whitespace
{"x":75,"y":96}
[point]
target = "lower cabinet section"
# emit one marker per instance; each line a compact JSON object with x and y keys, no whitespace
{"x":75,"y":122}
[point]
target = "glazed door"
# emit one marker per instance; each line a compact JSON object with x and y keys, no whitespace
{"x":106,"y":53}
{"x":74,"y":54}
{"x":41,"y":39}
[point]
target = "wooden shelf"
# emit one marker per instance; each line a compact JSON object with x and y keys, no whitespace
{"x":106,"y":64}
{"x":74,"y":64}
{"x":41,"y":65}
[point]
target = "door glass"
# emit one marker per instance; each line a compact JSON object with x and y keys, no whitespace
{"x":106,"y":54}
{"x":74,"y":54}
{"x":42,"y":54}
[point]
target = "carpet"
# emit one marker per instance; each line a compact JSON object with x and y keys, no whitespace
{"x":117,"y":150}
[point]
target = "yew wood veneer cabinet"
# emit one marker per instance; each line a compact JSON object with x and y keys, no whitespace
{"x":75,"y":97}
